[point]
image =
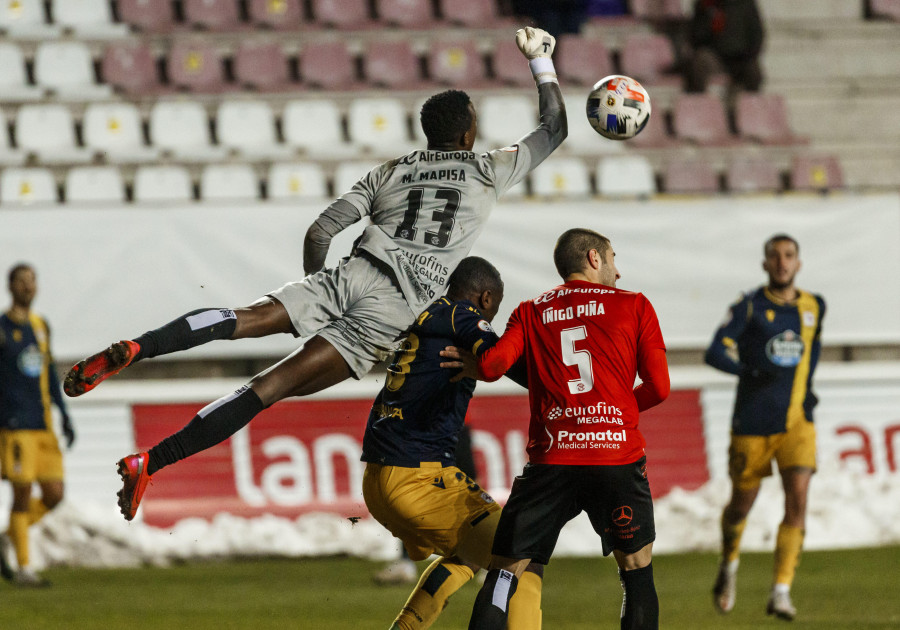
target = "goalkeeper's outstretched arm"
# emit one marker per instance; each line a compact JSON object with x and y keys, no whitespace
{"x":537,"y":46}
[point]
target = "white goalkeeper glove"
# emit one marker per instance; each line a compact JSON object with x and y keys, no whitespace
{"x":537,"y":45}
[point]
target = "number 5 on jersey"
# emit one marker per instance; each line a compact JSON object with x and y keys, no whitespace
{"x":579,"y":358}
{"x":445,"y":216}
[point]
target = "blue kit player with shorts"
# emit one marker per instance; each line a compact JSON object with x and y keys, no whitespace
{"x":427,"y":209}
{"x":771,"y":341}
{"x":412,"y":484}
{"x":29,"y":448}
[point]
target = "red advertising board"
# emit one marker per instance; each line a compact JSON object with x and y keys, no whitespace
{"x":303,"y":456}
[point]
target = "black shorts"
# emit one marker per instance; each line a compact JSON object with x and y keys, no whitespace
{"x":545,"y":497}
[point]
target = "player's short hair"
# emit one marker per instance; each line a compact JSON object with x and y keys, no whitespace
{"x":445,"y":117}
{"x":15,"y":269}
{"x":474,"y":275}
{"x":777,"y":239}
{"x":572,"y":248}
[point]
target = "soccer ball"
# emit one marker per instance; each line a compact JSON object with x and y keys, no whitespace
{"x":618,"y":107}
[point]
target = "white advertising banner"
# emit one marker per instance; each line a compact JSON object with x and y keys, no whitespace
{"x":106,"y":274}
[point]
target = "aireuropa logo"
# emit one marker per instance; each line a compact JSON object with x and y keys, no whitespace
{"x":622,"y":515}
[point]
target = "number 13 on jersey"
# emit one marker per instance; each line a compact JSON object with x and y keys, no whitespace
{"x":445,"y":216}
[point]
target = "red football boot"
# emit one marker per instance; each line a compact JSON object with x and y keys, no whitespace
{"x":87,"y":374}
{"x":133,"y":471}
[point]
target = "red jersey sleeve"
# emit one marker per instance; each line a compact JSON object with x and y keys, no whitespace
{"x":495,"y":362}
{"x":652,"y":367}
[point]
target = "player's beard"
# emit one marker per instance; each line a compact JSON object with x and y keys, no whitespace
{"x":777,"y":285}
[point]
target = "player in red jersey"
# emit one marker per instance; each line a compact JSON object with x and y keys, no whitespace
{"x":583,"y":341}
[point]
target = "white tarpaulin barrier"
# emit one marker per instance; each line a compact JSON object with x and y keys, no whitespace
{"x":114,"y":273}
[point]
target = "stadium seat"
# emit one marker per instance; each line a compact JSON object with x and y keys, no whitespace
{"x":379,"y":125}
{"x":94,"y":184}
{"x":348,"y":173}
{"x":328,"y":65}
{"x":48,"y":132}
{"x":195,"y":65}
{"x":561,"y":177}
{"x":649,"y":58}
{"x":13,"y":78}
{"x":690,"y":176}
{"x":182,"y":127}
{"x":657,"y":10}
{"x":701,"y":119}
{"x":472,"y":13}
{"x":67,"y":69}
{"x":114,"y":129}
{"x":26,"y":186}
{"x":224,"y":182}
{"x":888,"y":9}
{"x":625,"y":176}
{"x":278,"y":15}
{"x":751,"y":176}
{"x":262,"y":66}
{"x":297,"y":180}
{"x":248,"y":128}
{"x":582,"y":139}
{"x":816,"y":172}
{"x":148,"y":16}
{"x":655,"y":134}
{"x":502,"y":120}
{"x":582,"y":60}
{"x":510,"y":67}
{"x":8,"y":155}
{"x":343,"y":14}
{"x":315,"y":127}
{"x":406,"y":14}
{"x":162,"y":183}
{"x":131,"y":70}
{"x":457,"y":63}
{"x":393,"y":65}
{"x":764,"y":118}
{"x":26,"y":19}
{"x":212,"y":15}
{"x":89,"y":19}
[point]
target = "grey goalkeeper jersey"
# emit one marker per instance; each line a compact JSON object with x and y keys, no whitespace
{"x":428,"y":207}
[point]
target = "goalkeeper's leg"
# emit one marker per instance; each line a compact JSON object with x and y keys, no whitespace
{"x":267,"y":316}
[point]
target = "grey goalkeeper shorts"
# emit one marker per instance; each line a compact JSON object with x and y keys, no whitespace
{"x":355,"y":306}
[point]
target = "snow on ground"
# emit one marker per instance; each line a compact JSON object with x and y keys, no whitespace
{"x":845,"y":510}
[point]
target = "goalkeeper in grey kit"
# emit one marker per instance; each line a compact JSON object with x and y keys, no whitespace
{"x":426,"y":208}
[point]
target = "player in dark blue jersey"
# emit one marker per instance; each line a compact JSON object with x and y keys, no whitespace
{"x":771,"y":341}
{"x":29,"y":450}
{"x":412,"y":484}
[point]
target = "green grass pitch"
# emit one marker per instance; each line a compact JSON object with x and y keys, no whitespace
{"x":855,"y":589}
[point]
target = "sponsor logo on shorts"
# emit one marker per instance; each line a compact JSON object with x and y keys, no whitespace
{"x":622,"y":515}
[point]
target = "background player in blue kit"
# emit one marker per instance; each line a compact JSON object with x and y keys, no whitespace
{"x":29,"y":449}
{"x":412,"y":484}
{"x":771,"y":341}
